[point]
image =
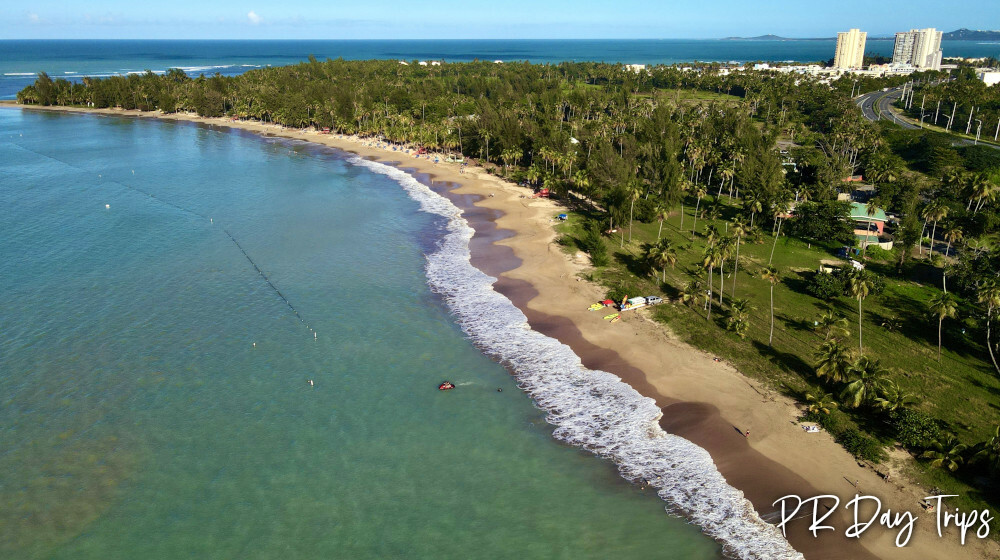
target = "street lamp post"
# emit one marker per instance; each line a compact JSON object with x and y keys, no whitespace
{"x":978,"y":129}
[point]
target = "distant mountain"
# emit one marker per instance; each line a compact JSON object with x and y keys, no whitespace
{"x":760,"y":38}
{"x":971,"y":35}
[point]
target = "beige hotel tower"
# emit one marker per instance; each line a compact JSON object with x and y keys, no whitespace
{"x":850,"y":49}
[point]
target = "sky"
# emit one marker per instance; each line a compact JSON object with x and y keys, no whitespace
{"x":500,"y":19}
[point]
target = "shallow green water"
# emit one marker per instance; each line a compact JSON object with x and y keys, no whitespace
{"x":153,"y":386}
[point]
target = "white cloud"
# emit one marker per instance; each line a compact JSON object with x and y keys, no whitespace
{"x":33,"y":18}
{"x":253,"y":17}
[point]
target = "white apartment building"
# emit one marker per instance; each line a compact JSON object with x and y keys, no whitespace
{"x":850,"y":49}
{"x":920,"y":48}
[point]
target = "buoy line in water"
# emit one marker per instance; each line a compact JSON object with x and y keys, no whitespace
{"x":268,"y":282}
{"x":186,"y":211}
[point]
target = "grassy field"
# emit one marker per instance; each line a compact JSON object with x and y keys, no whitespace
{"x":962,"y":389}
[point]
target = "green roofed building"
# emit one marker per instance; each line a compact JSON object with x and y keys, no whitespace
{"x":868,"y":229}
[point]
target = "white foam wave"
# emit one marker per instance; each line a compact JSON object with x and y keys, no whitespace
{"x":19,"y":73}
{"x":203,"y":68}
{"x":595,"y":410}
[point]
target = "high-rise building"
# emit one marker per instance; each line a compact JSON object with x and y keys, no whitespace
{"x":850,"y":49}
{"x":920,"y":48}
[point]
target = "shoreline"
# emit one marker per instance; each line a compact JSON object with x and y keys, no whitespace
{"x":706,"y":402}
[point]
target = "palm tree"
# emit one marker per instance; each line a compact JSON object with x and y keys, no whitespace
{"x":820,"y":403}
{"x":947,"y":454}
{"x":711,"y":234}
{"x":533,"y":174}
{"x":739,"y":229}
{"x":582,"y":182}
{"x":752,"y":203}
{"x":934,"y":211}
{"x":833,"y":360}
{"x":943,"y":305}
{"x":661,"y":213}
{"x":659,"y":255}
{"x":989,"y":293}
{"x":982,"y":189}
{"x":725,"y":249}
{"x":692,"y":292}
{"x":509,"y":156}
{"x":859,"y":284}
{"x":952,"y":234}
{"x":870,"y":381}
{"x":633,"y":191}
{"x":831,"y":323}
{"x":699,"y":192}
{"x":711,"y":260}
{"x":989,"y":451}
{"x":893,"y":398}
{"x":779,"y":209}
{"x":771,"y":275}
{"x":872,"y":209}
{"x":738,"y":311}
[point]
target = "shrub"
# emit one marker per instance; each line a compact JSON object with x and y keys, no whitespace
{"x":622,"y":291}
{"x":600,"y":259}
{"x":878,"y":284}
{"x":834,"y":423}
{"x":592,"y":242}
{"x":878,"y":254}
{"x":645,"y":210}
{"x":861,"y":445}
{"x":826,"y":286}
{"x":914,"y":429}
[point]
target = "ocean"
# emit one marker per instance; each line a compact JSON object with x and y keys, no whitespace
{"x":219,"y":345}
{"x":21,"y":60}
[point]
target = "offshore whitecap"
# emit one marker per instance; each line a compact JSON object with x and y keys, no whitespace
{"x":592,"y":409}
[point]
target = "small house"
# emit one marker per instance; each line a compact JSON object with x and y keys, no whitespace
{"x":869,"y":229}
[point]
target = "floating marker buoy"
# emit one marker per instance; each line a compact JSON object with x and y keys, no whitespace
{"x":254,"y":344}
{"x":310,"y":382}
{"x":315,"y":335}
{"x":107,"y":206}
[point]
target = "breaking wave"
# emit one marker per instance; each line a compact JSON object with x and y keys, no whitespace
{"x":592,"y":409}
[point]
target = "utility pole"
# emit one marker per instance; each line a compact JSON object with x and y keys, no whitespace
{"x":997,"y":133}
{"x":936,"y":111}
{"x":952,"y":118}
{"x":922,"y":100}
{"x":968,"y":126}
{"x":978,"y":130}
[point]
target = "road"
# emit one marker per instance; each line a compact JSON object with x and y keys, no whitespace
{"x":878,"y":105}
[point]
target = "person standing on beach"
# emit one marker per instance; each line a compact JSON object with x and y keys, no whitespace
{"x":747,"y":434}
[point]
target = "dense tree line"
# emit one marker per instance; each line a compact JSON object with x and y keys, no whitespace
{"x":603,"y":131}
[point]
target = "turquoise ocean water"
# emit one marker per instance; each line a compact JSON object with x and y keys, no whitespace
{"x":154,"y":388}
{"x":21,"y":60}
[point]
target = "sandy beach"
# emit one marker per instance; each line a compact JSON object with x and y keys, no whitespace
{"x":705,"y":401}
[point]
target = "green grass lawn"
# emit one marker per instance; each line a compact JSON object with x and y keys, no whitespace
{"x":962,"y":389}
